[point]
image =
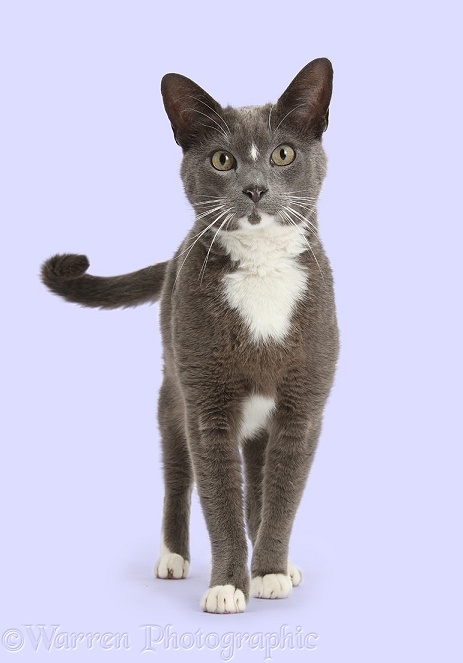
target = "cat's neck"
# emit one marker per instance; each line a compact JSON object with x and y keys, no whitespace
{"x":263,"y":246}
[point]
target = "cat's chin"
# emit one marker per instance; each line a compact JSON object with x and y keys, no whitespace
{"x":256,"y":219}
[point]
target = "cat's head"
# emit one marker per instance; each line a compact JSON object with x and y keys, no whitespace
{"x":246,"y":166}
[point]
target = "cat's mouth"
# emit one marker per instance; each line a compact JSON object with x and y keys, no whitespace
{"x":257,"y":219}
{"x":254,"y":218}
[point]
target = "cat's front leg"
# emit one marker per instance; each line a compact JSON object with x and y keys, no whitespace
{"x":217,"y":469}
{"x":292,"y":443}
{"x":254,"y":454}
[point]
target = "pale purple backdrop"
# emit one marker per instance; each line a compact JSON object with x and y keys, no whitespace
{"x":88,"y":164}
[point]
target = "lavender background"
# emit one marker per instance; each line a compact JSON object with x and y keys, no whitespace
{"x":88,"y":164}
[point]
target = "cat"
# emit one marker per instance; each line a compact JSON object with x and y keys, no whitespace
{"x":249,"y":330}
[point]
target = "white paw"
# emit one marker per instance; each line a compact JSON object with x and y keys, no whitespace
{"x":171,"y":566}
{"x":295,"y":574}
{"x":223,"y":599}
{"x":271,"y":586}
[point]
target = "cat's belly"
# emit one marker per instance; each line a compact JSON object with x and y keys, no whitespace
{"x":256,"y":412}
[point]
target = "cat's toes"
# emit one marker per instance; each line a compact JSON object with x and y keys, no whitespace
{"x":295,"y":574}
{"x":271,"y":586}
{"x":172,"y":566}
{"x":223,"y":599}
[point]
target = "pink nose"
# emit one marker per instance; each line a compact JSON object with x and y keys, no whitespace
{"x":255,"y":192}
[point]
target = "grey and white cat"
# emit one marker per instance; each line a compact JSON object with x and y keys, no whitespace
{"x":249,"y":330}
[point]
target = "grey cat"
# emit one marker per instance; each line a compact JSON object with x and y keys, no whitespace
{"x":249,"y":330}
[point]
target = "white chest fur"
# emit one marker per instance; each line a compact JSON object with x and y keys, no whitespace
{"x":268,"y":282}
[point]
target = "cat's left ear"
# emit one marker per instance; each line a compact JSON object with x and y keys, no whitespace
{"x":305,"y":102}
{"x":191,"y":111}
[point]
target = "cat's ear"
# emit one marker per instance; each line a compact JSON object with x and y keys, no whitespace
{"x":305,"y":102}
{"x":191,"y":111}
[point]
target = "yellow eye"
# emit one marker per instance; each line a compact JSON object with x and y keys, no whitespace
{"x":222,"y":160}
{"x":283,"y":155}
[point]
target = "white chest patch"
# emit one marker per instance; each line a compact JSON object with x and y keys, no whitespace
{"x":256,"y":411}
{"x":268,"y":282}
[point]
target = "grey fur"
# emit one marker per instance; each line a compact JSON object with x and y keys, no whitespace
{"x":210,"y":361}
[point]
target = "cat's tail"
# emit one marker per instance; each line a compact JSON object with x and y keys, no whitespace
{"x":65,"y":275}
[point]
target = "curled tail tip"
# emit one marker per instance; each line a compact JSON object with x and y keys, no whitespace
{"x":64,"y":266}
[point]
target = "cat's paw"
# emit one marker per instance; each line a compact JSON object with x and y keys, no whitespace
{"x":271,"y":586}
{"x":223,"y":599}
{"x":171,"y":566}
{"x":295,"y":574}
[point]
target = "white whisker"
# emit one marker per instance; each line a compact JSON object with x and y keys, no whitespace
{"x":302,"y":218}
{"x":190,"y":248}
{"x":307,"y":242}
{"x":201,"y":215}
{"x":213,"y":110}
{"x":203,"y":268}
{"x":270,"y":118}
{"x":197,"y":237}
{"x":210,"y":202}
{"x":220,"y":129}
{"x":291,"y":111}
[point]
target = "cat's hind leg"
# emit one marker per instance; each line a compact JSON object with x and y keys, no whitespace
{"x":174,"y":554}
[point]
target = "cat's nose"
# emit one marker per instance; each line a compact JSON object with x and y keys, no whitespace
{"x":255,"y":192}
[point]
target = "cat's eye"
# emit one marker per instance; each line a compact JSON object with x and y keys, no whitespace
{"x":222,"y":160}
{"x":283,"y":155}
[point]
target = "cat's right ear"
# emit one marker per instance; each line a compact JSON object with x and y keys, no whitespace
{"x":191,"y":111}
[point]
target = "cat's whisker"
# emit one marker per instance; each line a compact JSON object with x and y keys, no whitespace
{"x":307,"y":213}
{"x":201,"y":215}
{"x":287,"y":212}
{"x":298,"y":191}
{"x":302,"y":218}
{"x":198,"y":236}
{"x":305,"y":208}
{"x":311,"y":227}
{"x":203,"y":195}
{"x":212,"y":208}
{"x":210,"y":201}
{"x":300,"y":199}
{"x":306,"y":205}
{"x":287,"y":114}
{"x":201,"y":101}
{"x":219,"y":128}
{"x":230,"y":220}
{"x":287,"y":215}
{"x":190,"y":248}
{"x":295,"y":197}
{"x":203,"y":268}
{"x":270,"y":118}
{"x":300,"y":194}
{"x":205,"y":213}
{"x":308,"y":208}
